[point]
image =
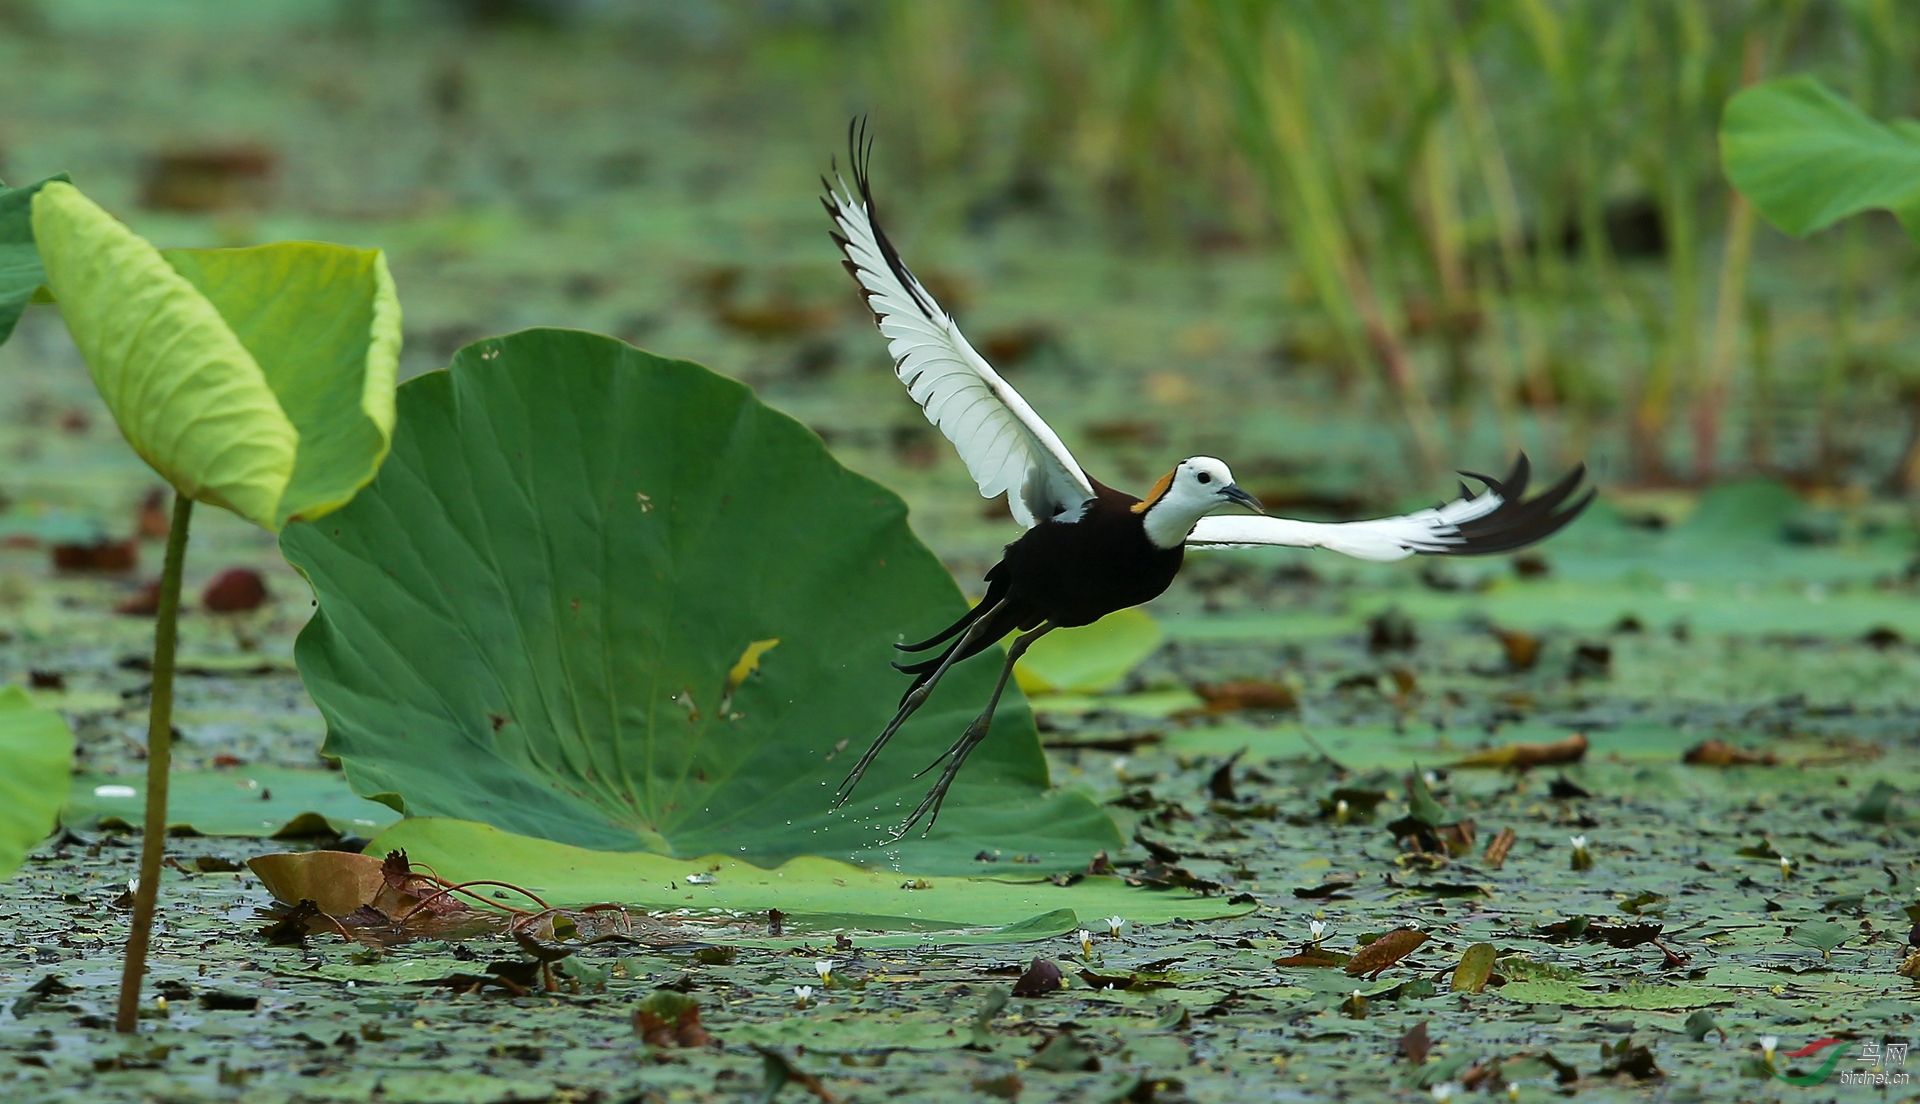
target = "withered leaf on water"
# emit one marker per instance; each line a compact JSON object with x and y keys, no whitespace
{"x":336,"y":882}
{"x":1600,"y":931}
{"x":1156,"y":849}
{"x":426,"y":894}
{"x":1220,"y":782}
{"x":667,"y":1019}
{"x":1162,"y":875}
{"x":1314,"y":958}
{"x":1498,"y":847}
{"x":1443,"y":889}
{"x":1718,"y":753}
{"x":1042,"y":977}
{"x":1415,"y":1044}
{"x":1414,"y":834}
{"x":1333,"y":889}
{"x":1458,"y":837}
{"x":291,"y":928}
{"x":1525,"y":757}
{"x":1563,"y":788}
{"x":1383,"y":952}
{"x":1625,"y":1057}
{"x":1231,"y":697}
{"x":220,"y":1000}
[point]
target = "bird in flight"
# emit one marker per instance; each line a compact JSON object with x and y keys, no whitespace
{"x":1089,"y":549}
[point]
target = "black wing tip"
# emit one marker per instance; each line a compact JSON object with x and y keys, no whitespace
{"x":1518,"y":522}
{"x":860,"y":162}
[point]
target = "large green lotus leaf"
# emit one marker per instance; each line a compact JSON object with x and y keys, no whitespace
{"x":323,"y":323}
{"x":256,"y":379}
{"x":1807,"y":158}
{"x":816,"y":890}
{"x":36,"y":755}
{"x":241,"y":801}
{"x":20,"y":271}
{"x":530,"y":618}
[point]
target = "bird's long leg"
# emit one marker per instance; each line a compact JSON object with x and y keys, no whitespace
{"x":913,"y":702}
{"x":970,"y":739}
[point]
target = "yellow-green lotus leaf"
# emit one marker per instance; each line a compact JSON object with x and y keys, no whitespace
{"x":36,"y":755}
{"x":323,"y":323}
{"x":257,"y":379}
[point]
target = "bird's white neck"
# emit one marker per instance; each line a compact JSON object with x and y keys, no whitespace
{"x":1169,"y":520}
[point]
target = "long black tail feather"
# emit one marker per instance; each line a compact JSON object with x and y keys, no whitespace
{"x":1520,"y":521}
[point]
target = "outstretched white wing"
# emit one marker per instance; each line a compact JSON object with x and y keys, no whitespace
{"x":1495,"y":520}
{"x":1005,"y":445}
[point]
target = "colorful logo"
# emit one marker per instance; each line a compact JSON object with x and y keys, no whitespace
{"x":1826,"y":1068}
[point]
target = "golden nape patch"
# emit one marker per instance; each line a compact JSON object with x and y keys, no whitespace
{"x":1153,"y":496}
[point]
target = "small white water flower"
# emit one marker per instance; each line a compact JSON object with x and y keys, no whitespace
{"x":1513,"y":1090}
{"x":824,"y":968}
{"x":1318,"y":928}
{"x":1769,"y":1044}
{"x":1444,"y":1091}
{"x":1342,"y":811}
{"x":1786,"y":867}
{"x":1086,"y":942}
{"x":1114,"y":924}
{"x":1579,"y":842}
{"x":802,"y":995}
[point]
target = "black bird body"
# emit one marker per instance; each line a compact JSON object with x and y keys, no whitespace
{"x":1089,"y":549}
{"x":1064,"y":574}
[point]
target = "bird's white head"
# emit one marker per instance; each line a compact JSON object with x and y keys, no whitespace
{"x":1198,"y":487}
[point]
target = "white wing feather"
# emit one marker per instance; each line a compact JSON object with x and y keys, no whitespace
{"x":1005,"y":445}
{"x":1383,"y":539}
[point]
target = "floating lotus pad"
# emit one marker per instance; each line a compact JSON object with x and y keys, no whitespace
{"x":36,"y":749}
{"x":536,"y":615}
{"x":821,"y":892}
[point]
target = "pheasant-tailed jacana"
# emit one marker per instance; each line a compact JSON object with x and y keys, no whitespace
{"x":1090,"y":549}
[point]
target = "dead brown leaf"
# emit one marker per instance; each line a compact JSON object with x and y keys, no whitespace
{"x":1383,"y":952}
{"x":1232,"y":697}
{"x":1415,"y":1044}
{"x":1522,"y":648}
{"x":1497,"y":848}
{"x":1525,"y":757}
{"x":1042,"y":977}
{"x":1718,"y":753}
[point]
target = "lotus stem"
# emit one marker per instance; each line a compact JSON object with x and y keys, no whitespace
{"x":153,"y":834}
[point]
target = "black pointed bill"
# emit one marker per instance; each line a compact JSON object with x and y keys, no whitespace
{"x":1233,"y":493}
